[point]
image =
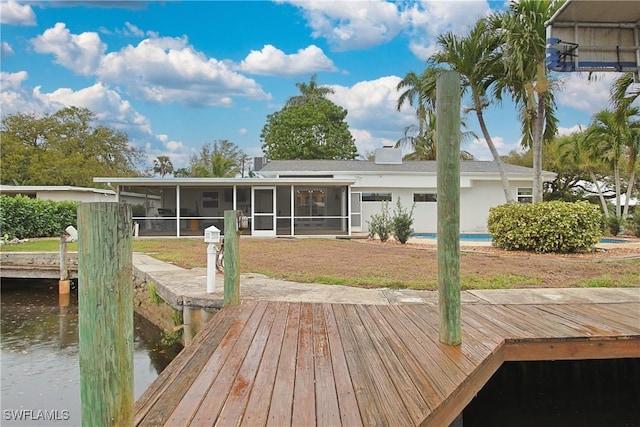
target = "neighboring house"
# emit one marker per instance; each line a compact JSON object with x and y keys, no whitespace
{"x":319,"y":197}
{"x":59,"y":193}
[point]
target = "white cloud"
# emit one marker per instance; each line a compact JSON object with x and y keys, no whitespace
{"x":426,"y":20}
{"x":133,"y":30}
{"x":80,"y":53}
{"x":372,"y":116}
{"x":169,"y":70}
{"x":362,"y":24}
{"x":590,"y":95}
{"x":243,"y":131}
{"x":372,"y":104}
{"x":109,"y":108}
{"x":273,"y":61}
{"x":159,"y":70}
{"x":573,"y":129}
{"x":350,"y":25}
{"x":13,"y":13}
{"x":6,"y":49}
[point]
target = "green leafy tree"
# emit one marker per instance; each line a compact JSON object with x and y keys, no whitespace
{"x":478,"y":59}
{"x":162,"y":166}
{"x":309,"y":127}
{"x":68,"y":147}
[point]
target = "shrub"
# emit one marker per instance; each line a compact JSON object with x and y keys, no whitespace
{"x":634,"y":224}
{"x":554,"y":226}
{"x":614,"y":225}
{"x":380,"y":224}
{"x":401,"y":222}
{"x":23,"y":217}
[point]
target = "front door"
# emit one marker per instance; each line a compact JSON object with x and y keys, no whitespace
{"x":264,"y":211}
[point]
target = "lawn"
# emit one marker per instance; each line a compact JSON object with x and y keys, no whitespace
{"x":367,"y":263}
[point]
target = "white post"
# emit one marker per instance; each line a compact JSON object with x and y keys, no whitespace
{"x":212,"y":249}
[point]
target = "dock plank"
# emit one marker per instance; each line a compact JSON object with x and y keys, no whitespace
{"x":327,"y":408}
{"x":257,"y":410}
{"x":290,"y":363}
{"x":282,"y":398}
{"x":347,"y":402}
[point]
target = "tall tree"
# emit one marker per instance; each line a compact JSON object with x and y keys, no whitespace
{"x":221,"y":159}
{"x":478,"y":59}
{"x":68,"y":147}
{"x":308,"y":127}
{"x":311,"y":92}
{"x":524,"y":50}
{"x":162,"y":166}
{"x":604,"y":140}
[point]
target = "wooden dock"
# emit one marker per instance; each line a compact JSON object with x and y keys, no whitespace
{"x":277,"y":363}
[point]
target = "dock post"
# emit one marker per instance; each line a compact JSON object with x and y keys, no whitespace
{"x":448,"y":190}
{"x":231,"y":258}
{"x":64,"y":284}
{"x":105,"y":299}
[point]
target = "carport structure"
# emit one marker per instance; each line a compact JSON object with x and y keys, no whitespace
{"x":595,"y":36}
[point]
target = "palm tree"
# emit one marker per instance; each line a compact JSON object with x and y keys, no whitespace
{"x":622,"y":96}
{"x":310,"y":92}
{"x":162,"y":166}
{"x":604,"y":140}
{"x":478,"y":60}
{"x":524,"y":32}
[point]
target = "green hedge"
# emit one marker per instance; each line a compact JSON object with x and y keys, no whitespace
{"x":23,"y":217}
{"x":554,"y":226}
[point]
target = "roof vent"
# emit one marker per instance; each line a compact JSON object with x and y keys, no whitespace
{"x":388,"y":156}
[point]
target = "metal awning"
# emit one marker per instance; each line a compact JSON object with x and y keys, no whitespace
{"x":598,"y":11}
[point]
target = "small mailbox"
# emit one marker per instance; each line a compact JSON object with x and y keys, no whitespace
{"x":243,"y":222}
{"x":212,"y":234}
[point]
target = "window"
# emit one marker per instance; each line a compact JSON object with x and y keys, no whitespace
{"x":525,"y":195}
{"x":425,"y":197}
{"x":376,"y":197}
{"x":210,"y":199}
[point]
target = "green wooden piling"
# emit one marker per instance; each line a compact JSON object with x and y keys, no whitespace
{"x":231,"y":258}
{"x":105,"y":299}
{"x":448,"y":149}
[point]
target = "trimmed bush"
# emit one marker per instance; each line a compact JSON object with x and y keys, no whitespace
{"x":22,"y":217}
{"x":554,"y":226}
{"x":401,"y":222}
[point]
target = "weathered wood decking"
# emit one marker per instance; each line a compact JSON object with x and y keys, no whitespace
{"x":276,"y":363}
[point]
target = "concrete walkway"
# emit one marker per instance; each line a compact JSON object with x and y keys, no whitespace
{"x":180,"y":287}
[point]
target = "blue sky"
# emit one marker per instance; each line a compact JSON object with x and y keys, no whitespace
{"x":175,"y":75}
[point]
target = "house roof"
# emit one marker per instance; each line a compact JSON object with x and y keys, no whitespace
{"x":32,"y":189}
{"x":467,"y":167}
{"x":589,"y":11}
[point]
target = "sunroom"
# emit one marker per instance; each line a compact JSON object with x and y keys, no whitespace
{"x":275,"y":207}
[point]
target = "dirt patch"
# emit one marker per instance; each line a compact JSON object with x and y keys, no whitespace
{"x":392,"y":263}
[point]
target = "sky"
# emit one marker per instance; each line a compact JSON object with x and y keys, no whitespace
{"x":175,"y":75}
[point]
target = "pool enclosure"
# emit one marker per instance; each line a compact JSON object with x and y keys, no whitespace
{"x":185,"y":207}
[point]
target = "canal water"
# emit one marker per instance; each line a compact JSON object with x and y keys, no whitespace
{"x":40,"y":373}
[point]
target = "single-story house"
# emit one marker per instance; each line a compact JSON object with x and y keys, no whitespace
{"x":318,"y":197}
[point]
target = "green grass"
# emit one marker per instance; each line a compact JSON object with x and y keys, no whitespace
{"x":39,"y":245}
{"x":499,"y":281}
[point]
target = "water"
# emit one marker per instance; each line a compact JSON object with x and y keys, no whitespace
{"x":481,"y":237}
{"x":40,"y":368}
{"x":584,"y":393}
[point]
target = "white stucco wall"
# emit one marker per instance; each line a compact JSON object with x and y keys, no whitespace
{"x":475,"y":201}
